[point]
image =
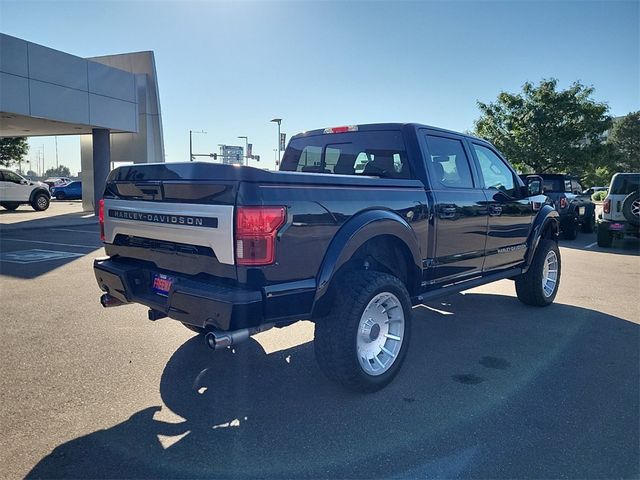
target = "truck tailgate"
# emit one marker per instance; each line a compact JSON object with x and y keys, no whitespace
{"x":203,"y":225}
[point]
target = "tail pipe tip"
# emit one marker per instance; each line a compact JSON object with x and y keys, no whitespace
{"x":108,"y":301}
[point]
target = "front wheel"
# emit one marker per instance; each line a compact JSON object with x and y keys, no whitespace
{"x":10,"y":205}
{"x":539,"y":286}
{"x":60,"y":196}
{"x":363,"y":341}
{"x":40,"y":202}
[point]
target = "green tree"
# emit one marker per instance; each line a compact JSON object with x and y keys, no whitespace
{"x":543,"y":129}
{"x":12,"y":150}
{"x":60,"y":171}
{"x":625,"y":138}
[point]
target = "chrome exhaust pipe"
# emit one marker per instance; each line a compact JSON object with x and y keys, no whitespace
{"x":108,"y":301}
{"x":218,"y":339}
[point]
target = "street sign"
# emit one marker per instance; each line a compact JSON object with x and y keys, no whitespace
{"x":283,"y":141}
{"x":249,"y":149}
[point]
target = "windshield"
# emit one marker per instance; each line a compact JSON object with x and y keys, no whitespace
{"x":624,"y":184}
{"x":371,"y":153}
{"x":555,"y":185}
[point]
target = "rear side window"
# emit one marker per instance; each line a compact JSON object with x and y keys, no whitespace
{"x":625,"y":184}
{"x":448,"y":162}
{"x":370,"y":153}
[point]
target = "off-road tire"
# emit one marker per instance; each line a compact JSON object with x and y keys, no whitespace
{"x":40,"y":202}
{"x":529,"y":285}
{"x":10,"y":205}
{"x":589,"y":223}
{"x":570,"y":229}
{"x":605,"y":238}
{"x":335,"y":340}
{"x":198,"y":330}
{"x":628,"y":208}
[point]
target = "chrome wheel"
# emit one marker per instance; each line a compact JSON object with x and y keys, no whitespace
{"x":380,"y":333}
{"x":550,"y":274}
{"x":635,"y":207}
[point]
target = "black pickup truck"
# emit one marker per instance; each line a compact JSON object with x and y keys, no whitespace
{"x":360,"y":224}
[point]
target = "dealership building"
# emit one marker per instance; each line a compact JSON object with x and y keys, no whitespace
{"x":112,"y":101}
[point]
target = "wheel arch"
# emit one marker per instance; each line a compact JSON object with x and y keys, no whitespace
{"x":546,"y":225}
{"x":380,"y":238}
{"x":37,"y":191}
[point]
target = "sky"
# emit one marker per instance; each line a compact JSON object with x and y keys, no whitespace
{"x":228,"y":68}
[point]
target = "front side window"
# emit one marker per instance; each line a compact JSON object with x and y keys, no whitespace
{"x":448,"y":163}
{"x":495,"y":172}
{"x":12,"y":177}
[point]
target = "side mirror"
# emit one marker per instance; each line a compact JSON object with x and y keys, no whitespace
{"x":534,"y":185}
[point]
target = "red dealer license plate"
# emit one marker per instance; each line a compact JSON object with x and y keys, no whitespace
{"x":161,"y":284}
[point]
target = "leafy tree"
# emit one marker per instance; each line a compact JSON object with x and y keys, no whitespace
{"x":60,"y":171}
{"x":543,"y":129}
{"x":12,"y":150}
{"x":625,"y":138}
{"x":32,"y":174}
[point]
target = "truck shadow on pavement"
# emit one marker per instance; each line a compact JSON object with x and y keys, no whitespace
{"x":490,"y":389}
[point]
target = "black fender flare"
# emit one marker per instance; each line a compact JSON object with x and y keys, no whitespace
{"x":547,"y":217}
{"x":37,"y":191}
{"x":355,"y":233}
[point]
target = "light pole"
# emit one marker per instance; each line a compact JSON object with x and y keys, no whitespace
{"x":278,"y":121}
{"x":191,"y":132}
{"x":246,"y":149}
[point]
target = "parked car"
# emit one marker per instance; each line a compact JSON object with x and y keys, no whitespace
{"x":16,"y":190}
{"x":621,"y":209}
{"x":69,"y":191}
{"x":56,"y":181}
{"x":576,"y":210}
{"x":359,"y":224}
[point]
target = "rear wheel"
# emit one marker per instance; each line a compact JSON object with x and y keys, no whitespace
{"x":40,"y":202}
{"x":605,"y":239}
{"x":363,"y":341}
{"x":10,"y":205}
{"x":570,"y":229}
{"x":539,"y":286}
{"x":589,"y":223}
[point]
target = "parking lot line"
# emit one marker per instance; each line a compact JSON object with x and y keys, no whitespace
{"x":591,"y":245}
{"x":50,"y":243}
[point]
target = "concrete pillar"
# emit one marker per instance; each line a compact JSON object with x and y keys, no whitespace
{"x":101,"y":162}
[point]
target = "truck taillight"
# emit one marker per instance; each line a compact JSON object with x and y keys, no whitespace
{"x":256,"y":229}
{"x":606,"y":206}
{"x":563,"y":203}
{"x":101,"y":217}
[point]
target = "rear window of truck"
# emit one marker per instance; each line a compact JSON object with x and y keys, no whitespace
{"x":371,"y":153}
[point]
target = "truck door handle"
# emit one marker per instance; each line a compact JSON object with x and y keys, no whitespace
{"x":495,"y":210}
{"x":447,"y":211}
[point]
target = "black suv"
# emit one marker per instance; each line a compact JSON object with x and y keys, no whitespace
{"x":575,"y":208}
{"x":361,"y":223}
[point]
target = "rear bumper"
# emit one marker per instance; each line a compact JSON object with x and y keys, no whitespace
{"x":621,"y":227}
{"x":208,"y":304}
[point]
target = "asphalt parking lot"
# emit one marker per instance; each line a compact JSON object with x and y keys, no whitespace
{"x":490,"y":388}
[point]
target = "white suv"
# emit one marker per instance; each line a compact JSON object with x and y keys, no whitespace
{"x":621,"y":209}
{"x":16,"y":190}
